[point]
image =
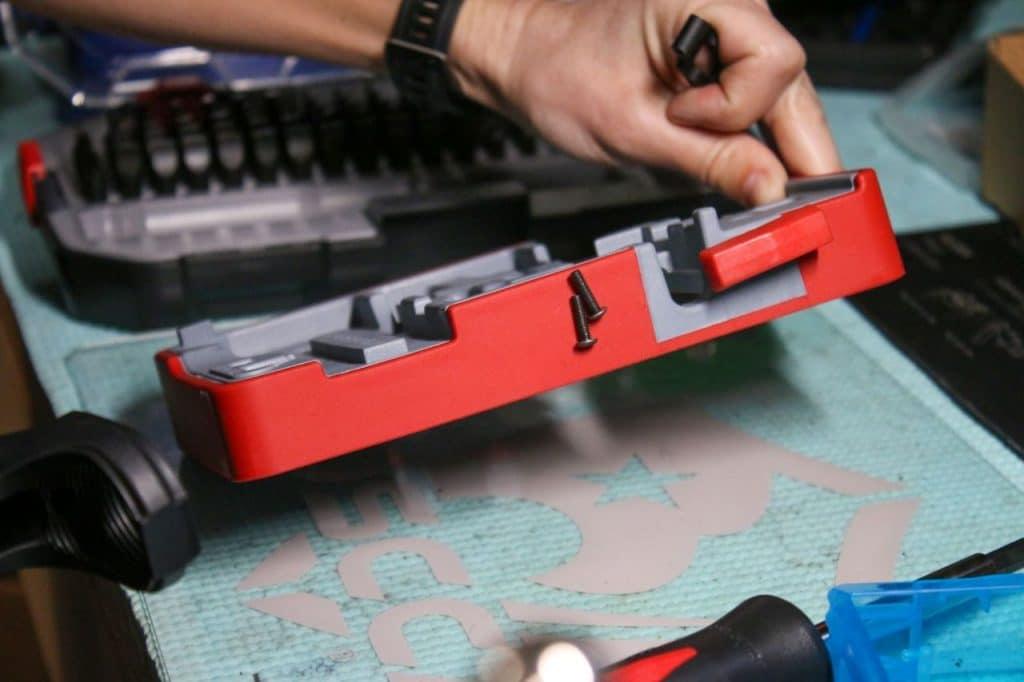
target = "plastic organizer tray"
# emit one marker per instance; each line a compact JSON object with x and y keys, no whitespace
{"x":366,"y":368}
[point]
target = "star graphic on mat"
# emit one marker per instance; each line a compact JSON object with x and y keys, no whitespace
{"x":634,"y":479}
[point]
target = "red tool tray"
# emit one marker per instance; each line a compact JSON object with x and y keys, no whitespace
{"x":386,"y":362}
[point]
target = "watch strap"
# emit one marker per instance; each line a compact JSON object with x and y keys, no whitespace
{"x":417,"y":51}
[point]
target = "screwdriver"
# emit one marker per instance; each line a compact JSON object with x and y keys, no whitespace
{"x":768,"y":639}
{"x":696,"y":37}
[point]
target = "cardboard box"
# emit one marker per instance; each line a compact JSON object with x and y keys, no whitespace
{"x":1002,"y":160}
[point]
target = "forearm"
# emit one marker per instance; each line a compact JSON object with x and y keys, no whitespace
{"x":596,"y":77}
{"x":347,"y":31}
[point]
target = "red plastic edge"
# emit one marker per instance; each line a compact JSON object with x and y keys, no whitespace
{"x":652,"y":668}
{"x":299,"y":416}
{"x":32,"y":169}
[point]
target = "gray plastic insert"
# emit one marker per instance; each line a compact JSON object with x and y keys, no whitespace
{"x":358,"y":346}
{"x":370,"y":326}
{"x":667,"y":251}
{"x":411,"y":314}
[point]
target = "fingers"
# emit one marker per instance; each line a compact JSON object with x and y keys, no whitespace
{"x":764,"y":79}
{"x":761,"y":61}
{"x":734,"y":163}
{"x":797,"y":123}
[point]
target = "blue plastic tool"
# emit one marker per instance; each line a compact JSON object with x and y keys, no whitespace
{"x":110,"y":64}
{"x":928,"y":631}
{"x":104,"y":71}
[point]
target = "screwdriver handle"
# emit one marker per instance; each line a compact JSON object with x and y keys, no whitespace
{"x":695,"y":36}
{"x":699,"y":36}
{"x":764,"y":639}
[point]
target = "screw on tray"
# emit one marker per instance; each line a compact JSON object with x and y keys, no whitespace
{"x":579,"y":319}
{"x":595,"y":311}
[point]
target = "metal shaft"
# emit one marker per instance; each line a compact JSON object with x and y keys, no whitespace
{"x":593,"y":309}
{"x":579,"y":319}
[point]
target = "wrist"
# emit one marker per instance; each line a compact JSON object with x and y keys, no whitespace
{"x":483,"y":47}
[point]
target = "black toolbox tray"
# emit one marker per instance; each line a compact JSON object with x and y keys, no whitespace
{"x":193,"y":203}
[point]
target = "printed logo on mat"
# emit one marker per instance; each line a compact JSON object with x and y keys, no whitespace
{"x":642,"y":494}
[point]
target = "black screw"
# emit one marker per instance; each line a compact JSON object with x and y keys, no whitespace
{"x":579,"y":319}
{"x":594,"y":309}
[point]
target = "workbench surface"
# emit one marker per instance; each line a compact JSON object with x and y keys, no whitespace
{"x":626,"y":510}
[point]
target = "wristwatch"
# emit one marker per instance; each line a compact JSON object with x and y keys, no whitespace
{"x":417,"y":52}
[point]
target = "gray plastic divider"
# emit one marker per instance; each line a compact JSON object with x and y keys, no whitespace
{"x":372,"y":325}
{"x":410,"y":314}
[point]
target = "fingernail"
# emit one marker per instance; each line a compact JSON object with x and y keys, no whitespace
{"x":759,"y":189}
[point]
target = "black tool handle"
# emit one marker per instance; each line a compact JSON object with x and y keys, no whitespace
{"x":1007,"y":559}
{"x":695,"y":36}
{"x":764,"y":639}
{"x":87,"y":493}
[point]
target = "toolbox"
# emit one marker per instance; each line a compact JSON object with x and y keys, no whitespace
{"x":192,"y":203}
{"x":398,"y":358}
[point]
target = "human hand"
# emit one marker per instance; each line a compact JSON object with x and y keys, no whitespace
{"x":598,"y":78}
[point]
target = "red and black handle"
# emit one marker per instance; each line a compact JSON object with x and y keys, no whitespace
{"x":765,"y":639}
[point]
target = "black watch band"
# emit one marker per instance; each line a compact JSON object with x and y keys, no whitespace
{"x":417,"y":52}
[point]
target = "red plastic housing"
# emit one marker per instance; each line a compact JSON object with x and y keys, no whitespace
{"x":654,"y":668}
{"x":31,"y":169}
{"x":513,"y":343}
{"x":795,"y":234}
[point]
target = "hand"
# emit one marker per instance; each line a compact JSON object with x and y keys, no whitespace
{"x":598,"y":78}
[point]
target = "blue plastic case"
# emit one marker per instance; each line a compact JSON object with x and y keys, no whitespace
{"x":110,"y":64}
{"x":930,"y":630}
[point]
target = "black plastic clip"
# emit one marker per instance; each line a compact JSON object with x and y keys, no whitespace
{"x":696,"y":35}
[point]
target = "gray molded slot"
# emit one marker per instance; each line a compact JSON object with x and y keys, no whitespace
{"x":246,"y":367}
{"x":411,"y":314}
{"x":378,"y":308}
{"x":371,"y":326}
{"x":358,"y":346}
{"x":668,"y":251}
{"x":678,"y":297}
{"x":672,"y":318}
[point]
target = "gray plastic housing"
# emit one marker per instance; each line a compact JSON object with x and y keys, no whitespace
{"x":668,"y":250}
{"x":349,"y":332}
{"x":411,"y":314}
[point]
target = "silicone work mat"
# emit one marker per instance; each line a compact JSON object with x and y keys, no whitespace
{"x":623,"y":511}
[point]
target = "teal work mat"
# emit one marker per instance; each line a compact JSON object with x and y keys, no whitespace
{"x":623,"y":511}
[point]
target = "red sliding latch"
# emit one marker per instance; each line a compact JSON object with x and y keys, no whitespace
{"x":792,"y":235}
